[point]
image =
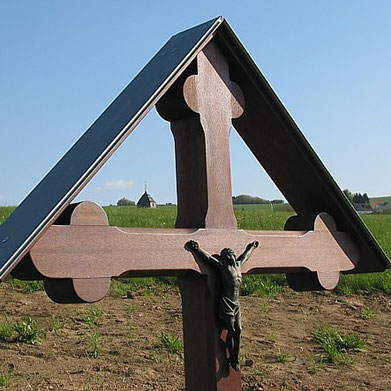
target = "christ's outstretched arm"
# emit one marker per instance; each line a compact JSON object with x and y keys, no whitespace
{"x":246,"y":254}
{"x":195,"y":249}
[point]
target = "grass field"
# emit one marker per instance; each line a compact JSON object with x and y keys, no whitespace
{"x":381,"y":199}
{"x":251,"y":217}
{"x":264,"y":207}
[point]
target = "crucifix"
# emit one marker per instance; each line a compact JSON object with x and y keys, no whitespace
{"x":231,"y":279}
{"x":79,"y":254}
{"x":75,"y":252}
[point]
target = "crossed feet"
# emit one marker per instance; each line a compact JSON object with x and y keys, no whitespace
{"x":234,"y":364}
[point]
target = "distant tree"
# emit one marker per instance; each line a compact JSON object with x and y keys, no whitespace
{"x":247,"y":199}
{"x":365,"y":199}
{"x":125,"y":202}
{"x":348,"y":194}
{"x":277,"y":201}
{"x":357,"y":198}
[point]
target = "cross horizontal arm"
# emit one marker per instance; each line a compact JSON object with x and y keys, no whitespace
{"x":103,"y":251}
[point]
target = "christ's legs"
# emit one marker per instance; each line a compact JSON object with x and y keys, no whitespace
{"x":237,"y":338}
{"x":230,"y":341}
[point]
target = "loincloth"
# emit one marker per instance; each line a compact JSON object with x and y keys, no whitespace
{"x":228,"y":309}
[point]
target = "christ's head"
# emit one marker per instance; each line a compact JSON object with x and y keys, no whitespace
{"x":228,"y":256}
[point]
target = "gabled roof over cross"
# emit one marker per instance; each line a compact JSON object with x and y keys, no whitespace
{"x":265,"y":126}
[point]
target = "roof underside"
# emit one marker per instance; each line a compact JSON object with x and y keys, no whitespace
{"x":266,"y":127}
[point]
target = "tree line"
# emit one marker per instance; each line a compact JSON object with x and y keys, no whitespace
{"x":357,"y":198}
{"x":247,"y":199}
{"x":240,"y":199}
{"x":125,"y":202}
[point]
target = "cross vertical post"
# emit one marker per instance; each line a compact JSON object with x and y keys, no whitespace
{"x":200,"y":108}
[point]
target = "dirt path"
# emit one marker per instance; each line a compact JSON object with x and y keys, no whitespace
{"x":278,"y":351}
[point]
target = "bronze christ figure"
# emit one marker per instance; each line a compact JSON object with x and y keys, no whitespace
{"x":229,"y":267}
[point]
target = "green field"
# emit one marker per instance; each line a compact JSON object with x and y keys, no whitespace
{"x":264,"y":207}
{"x":380,"y":199}
{"x":252,"y":207}
{"x":248,"y":217}
{"x":252,"y":217}
{"x":5,"y":211}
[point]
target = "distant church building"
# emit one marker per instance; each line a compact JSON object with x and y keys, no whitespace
{"x":146,"y":200}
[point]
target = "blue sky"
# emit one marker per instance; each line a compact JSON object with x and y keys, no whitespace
{"x":63,"y":62}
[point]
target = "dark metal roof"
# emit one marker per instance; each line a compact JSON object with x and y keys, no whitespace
{"x":146,"y":197}
{"x":67,"y":178}
{"x":266,"y":127}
